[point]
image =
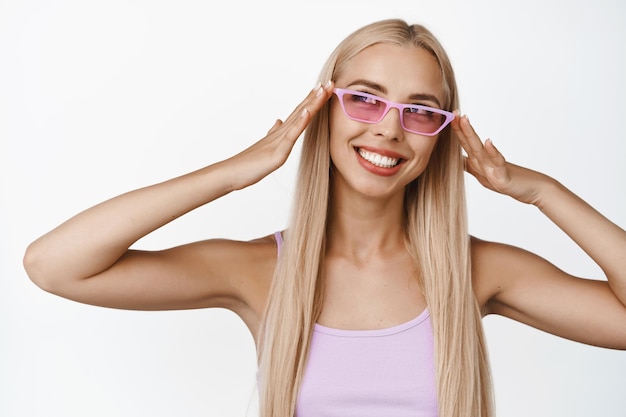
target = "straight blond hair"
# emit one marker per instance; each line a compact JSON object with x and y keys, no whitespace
{"x":436,"y":237}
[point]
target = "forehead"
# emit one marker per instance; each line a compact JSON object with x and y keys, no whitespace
{"x":401,"y":70}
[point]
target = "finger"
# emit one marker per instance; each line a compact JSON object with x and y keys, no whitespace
{"x":460,"y":133}
{"x":278,"y":123}
{"x":480,"y":156}
{"x":493,"y":152}
{"x":299,"y":119}
{"x":472,"y":167}
{"x":312,"y":103}
{"x":497,"y":170}
{"x":485,"y":176}
{"x":471,"y":141}
{"x":477,"y":174}
{"x":469,"y":138}
{"x":484,"y":157}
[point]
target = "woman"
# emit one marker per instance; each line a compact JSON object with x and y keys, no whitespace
{"x":374,"y":304}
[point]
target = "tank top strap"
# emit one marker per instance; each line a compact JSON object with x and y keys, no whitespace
{"x":278,"y":236}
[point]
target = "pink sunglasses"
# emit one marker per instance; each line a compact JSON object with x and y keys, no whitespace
{"x":414,"y":118}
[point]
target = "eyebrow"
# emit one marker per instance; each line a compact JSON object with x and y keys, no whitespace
{"x":383,"y":90}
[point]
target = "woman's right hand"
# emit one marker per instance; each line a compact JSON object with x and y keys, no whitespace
{"x":271,"y":152}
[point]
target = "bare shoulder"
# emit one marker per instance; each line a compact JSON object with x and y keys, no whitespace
{"x":251,"y":277}
{"x":243,"y":269}
{"x":248,"y":266}
{"x":496,"y":266}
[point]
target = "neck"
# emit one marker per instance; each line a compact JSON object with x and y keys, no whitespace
{"x":360,"y":226}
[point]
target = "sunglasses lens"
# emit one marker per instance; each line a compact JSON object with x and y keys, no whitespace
{"x":363,"y":108}
{"x":422,"y":120}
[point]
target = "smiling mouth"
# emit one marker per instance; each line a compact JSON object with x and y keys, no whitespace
{"x":377,"y":159}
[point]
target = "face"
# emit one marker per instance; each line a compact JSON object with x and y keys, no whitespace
{"x":379,"y":160}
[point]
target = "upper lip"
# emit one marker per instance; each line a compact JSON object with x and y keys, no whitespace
{"x":383,"y":152}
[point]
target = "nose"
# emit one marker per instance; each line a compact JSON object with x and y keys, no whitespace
{"x":390,"y":125}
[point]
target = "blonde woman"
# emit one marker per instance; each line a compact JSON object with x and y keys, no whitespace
{"x":370,"y":303}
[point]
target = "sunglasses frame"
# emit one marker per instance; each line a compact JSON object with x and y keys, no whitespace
{"x":340,"y":92}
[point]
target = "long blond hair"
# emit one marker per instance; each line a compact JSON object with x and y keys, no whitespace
{"x":436,"y":236}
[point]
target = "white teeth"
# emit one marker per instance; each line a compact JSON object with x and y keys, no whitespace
{"x":378,"y":160}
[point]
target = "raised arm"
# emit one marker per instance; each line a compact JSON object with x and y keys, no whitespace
{"x":527,"y":288}
{"x":87,"y":258}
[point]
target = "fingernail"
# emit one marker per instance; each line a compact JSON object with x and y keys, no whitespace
{"x":317,"y":85}
{"x":327,"y":84}
{"x":304,"y":112}
{"x":320,"y":90}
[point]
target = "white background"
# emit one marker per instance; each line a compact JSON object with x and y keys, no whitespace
{"x":100,"y":97}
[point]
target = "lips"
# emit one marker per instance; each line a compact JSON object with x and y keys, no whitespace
{"x":378,"y":161}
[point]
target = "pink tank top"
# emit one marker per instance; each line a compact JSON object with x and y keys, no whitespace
{"x":370,"y":373}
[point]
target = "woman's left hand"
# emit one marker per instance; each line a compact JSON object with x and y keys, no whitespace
{"x":488,"y":165}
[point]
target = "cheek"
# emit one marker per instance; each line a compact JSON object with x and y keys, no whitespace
{"x":425,"y":145}
{"x":338,"y":128}
{"x":341,"y":128}
{"x":423,"y":149}
{"x":429,"y":148}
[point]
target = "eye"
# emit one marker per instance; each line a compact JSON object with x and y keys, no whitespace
{"x":364,"y":99}
{"x":420,"y":111}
